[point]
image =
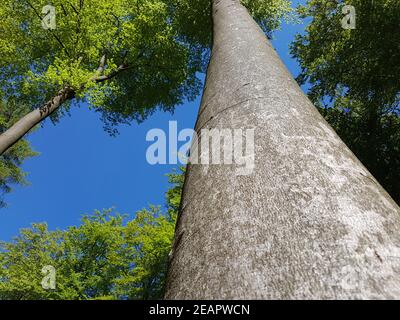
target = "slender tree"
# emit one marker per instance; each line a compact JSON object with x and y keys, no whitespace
{"x":309,"y":222}
{"x":11,"y":161}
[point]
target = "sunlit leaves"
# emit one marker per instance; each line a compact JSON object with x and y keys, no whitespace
{"x":269,"y":13}
{"x":37,"y":63}
{"x":193,"y":17}
{"x":109,"y":256}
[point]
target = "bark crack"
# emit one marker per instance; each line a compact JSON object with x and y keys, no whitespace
{"x":227,"y":108}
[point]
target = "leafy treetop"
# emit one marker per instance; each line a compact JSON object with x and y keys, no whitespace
{"x":124,"y":57}
{"x":107,"y":257}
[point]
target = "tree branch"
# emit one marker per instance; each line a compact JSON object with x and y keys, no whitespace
{"x":29,"y":121}
{"x":113,"y":74}
{"x":51,"y":32}
{"x":100,"y":69}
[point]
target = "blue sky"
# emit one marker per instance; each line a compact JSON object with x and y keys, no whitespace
{"x":81,"y":168}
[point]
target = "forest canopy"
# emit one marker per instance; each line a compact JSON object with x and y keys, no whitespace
{"x":108,"y":256}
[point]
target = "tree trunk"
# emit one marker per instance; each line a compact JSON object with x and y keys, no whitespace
{"x":310,"y":222}
{"x":28,"y":122}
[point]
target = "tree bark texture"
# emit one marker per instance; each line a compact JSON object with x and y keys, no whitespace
{"x":310,"y":222}
{"x":29,"y":121}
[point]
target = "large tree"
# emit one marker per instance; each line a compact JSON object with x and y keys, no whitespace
{"x":354,"y":79}
{"x":114,"y":55}
{"x":310,"y":221}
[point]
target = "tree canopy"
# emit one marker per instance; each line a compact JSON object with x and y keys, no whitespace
{"x":109,"y":256}
{"x":354,"y":79}
{"x":123,"y":57}
{"x":194,"y":23}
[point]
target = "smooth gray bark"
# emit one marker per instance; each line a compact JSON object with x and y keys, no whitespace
{"x":310,"y":222}
{"x":22,"y":127}
{"x":29,"y":121}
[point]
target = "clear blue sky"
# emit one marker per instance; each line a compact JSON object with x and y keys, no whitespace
{"x":81,"y":168}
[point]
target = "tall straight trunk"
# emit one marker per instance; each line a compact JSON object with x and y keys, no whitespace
{"x":310,"y":222}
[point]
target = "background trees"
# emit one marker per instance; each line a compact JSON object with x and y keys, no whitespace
{"x":193,"y":19}
{"x":10,"y":162}
{"x":354,"y":77}
{"x":108,"y":256}
{"x":122,"y":58}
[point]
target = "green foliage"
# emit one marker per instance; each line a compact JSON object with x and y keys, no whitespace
{"x":354,"y":79}
{"x":193,"y":17}
{"x":10,"y":161}
{"x":269,"y":13}
{"x":193,"y":20}
{"x":153,"y":50}
{"x":135,"y":36}
{"x":106,"y":257}
{"x":174,"y":194}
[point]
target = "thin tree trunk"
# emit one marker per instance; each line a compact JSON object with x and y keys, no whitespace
{"x":310,"y":222}
{"x":29,"y":121}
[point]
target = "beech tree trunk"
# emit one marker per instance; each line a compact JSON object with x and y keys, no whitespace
{"x":22,"y":127}
{"x":29,"y":121}
{"x":310,"y":222}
